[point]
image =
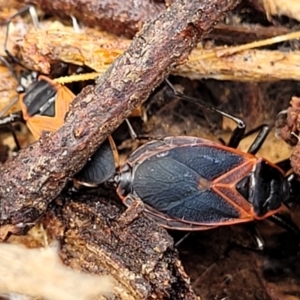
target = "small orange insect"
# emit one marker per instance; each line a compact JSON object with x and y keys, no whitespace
{"x":44,"y":105}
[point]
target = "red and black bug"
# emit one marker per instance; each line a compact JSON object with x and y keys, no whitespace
{"x":44,"y":104}
{"x":189,"y":183}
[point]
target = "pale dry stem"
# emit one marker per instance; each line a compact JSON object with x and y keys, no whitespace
{"x":40,"y":273}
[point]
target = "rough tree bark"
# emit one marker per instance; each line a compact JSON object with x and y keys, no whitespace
{"x":38,"y":174}
{"x":98,"y":241}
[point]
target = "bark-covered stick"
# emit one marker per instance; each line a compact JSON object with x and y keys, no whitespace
{"x":38,"y":174}
{"x":119,"y":17}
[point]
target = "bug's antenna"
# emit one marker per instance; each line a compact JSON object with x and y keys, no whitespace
{"x":239,"y":131}
{"x":35,"y":21}
{"x":8,"y":107}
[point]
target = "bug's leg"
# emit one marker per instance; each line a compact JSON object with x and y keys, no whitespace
{"x":180,"y":241}
{"x":285,"y":223}
{"x":12,"y":130}
{"x":132,"y":132}
{"x":6,"y":121}
{"x":280,"y":220}
{"x":222,"y":141}
{"x":133,"y":211}
{"x":35,"y":21}
{"x":258,"y":240}
{"x":238,"y":132}
{"x":256,"y":237}
{"x":263,"y":131}
{"x":75,"y":24}
{"x":17,"y":117}
{"x":13,"y":133}
{"x":139,"y":137}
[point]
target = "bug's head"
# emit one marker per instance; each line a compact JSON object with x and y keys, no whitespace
{"x":26,"y":80}
{"x":294,"y":187}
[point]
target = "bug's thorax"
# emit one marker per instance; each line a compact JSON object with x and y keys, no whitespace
{"x":38,"y":99}
{"x":268,"y":189}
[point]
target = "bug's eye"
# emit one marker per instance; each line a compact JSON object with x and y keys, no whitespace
{"x":20,"y":89}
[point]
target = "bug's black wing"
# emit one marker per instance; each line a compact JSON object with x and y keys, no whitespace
{"x":175,"y":189}
{"x":210,"y":162}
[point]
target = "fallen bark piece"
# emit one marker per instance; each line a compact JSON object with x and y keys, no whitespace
{"x":288,"y":122}
{"x":38,"y":174}
{"x":130,"y":247}
{"x":39,"y":273}
{"x":99,"y":51}
{"x":288,"y":128}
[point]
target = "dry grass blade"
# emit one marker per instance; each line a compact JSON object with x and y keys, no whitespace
{"x":290,"y":8}
{"x":249,"y":65}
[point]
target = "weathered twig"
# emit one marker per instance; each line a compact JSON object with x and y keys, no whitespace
{"x":119,"y":17}
{"x":127,"y":17}
{"x":39,"y":173}
{"x":244,"y":33}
